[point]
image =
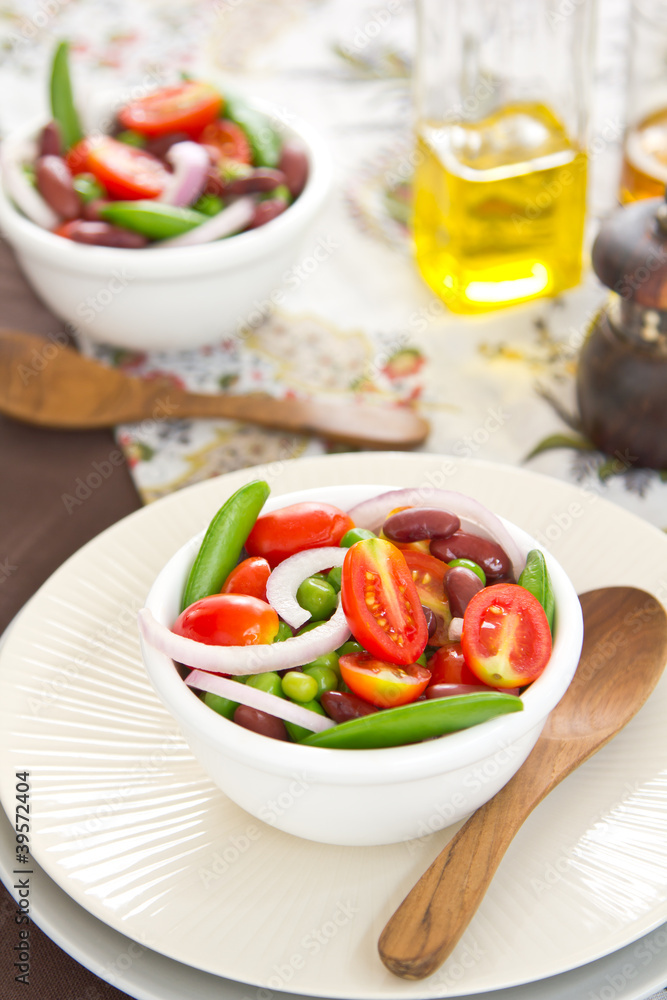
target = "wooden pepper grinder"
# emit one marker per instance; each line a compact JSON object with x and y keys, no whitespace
{"x":622,"y":372}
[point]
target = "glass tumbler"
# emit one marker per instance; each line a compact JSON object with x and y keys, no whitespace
{"x":644,"y":170}
{"x":501,"y":108}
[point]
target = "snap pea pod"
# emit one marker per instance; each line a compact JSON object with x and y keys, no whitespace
{"x":418,"y":721}
{"x":62,"y":102}
{"x":225,"y":537}
{"x":535,"y":578}
{"x":153,"y":219}
{"x":264,"y":141}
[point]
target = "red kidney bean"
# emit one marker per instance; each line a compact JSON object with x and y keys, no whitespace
{"x":262,"y":179}
{"x":267,"y":210}
{"x":91,"y":209}
{"x":447,"y":690}
{"x":431,"y":620}
{"x":260,"y":722}
{"x":461,"y":584}
{"x":50,"y":143}
{"x":487,"y":554}
{"x":103,"y":234}
{"x":416,"y":523}
{"x":294,"y":165}
{"x":54,"y":183}
{"x":161,"y":144}
{"x":341,"y":706}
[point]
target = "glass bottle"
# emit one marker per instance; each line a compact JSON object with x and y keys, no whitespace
{"x":644,"y":169}
{"x":501,"y":101}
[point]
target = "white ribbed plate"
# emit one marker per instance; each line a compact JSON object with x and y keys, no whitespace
{"x":126,"y":823}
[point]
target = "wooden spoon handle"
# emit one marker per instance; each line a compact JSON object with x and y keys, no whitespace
{"x":428,"y":924}
{"x":352,"y":422}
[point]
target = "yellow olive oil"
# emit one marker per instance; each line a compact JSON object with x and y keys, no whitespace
{"x":499,"y":208}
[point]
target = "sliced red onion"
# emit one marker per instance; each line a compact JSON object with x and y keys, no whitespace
{"x":26,"y":197}
{"x":231,"y":220}
{"x":246,"y":659}
{"x":264,"y":701}
{"x":190,"y":162}
{"x":475,"y":517}
{"x":284,"y":581}
{"x":455,"y":630}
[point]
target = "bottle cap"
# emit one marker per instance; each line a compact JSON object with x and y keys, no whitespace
{"x":630,"y":253}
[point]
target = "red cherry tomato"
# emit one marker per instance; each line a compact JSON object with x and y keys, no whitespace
{"x":229,"y":139}
{"x":187,"y":108}
{"x":380,"y":683}
{"x":448,"y":666}
{"x":381,"y":602}
{"x":300,"y":526}
{"x":228,"y":620}
{"x":125,"y":171}
{"x":428,"y":574}
{"x":506,"y":638}
{"x":249,"y":577}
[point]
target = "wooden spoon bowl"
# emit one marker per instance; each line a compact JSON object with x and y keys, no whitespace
{"x":622,"y":659}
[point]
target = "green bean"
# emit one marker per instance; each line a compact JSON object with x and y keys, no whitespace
{"x":420,"y":720}
{"x":223,"y":541}
{"x":535,"y":578}
{"x":62,"y":102}
{"x":153,"y":219}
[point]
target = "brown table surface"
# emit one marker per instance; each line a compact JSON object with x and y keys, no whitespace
{"x":36,"y":535}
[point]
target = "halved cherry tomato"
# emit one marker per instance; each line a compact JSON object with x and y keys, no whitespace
{"x":249,"y":577}
{"x":188,"y":108}
{"x":300,"y":526}
{"x":506,"y":638}
{"x":380,"y":683}
{"x":448,"y":666}
{"x":229,"y":139}
{"x":126,"y":172}
{"x":428,"y":574}
{"x":228,"y":620}
{"x":381,"y":602}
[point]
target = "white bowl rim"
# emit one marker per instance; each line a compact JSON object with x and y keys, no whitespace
{"x":387,"y":765}
{"x":158,"y":263}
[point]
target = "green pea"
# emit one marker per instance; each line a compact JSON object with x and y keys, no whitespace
{"x":132,"y":138}
{"x":329,"y":660}
{"x":308,"y":627}
{"x":299,"y":687}
{"x":469,"y":564}
{"x":317,"y":597}
{"x":355,"y":535}
{"x":270,"y":682}
{"x":334,"y":577}
{"x":223,"y":706}
{"x":298,"y":733}
{"x":284,"y":632}
{"x":88,"y":187}
{"x":327,"y":679}
{"x":351,"y":646}
{"x":209,"y":204}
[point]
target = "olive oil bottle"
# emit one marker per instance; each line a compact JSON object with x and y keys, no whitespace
{"x":499,"y":207}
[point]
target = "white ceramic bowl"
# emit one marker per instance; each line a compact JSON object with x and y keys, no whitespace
{"x":361,"y":797}
{"x":168,"y":299}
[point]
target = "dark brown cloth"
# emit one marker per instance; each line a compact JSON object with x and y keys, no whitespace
{"x":37,"y":533}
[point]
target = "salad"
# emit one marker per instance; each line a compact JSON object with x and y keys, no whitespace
{"x":412,"y":615}
{"x":181,"y":166}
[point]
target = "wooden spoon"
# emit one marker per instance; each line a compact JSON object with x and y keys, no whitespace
{"x":623,"y":656}
{"x":54,"y":386}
